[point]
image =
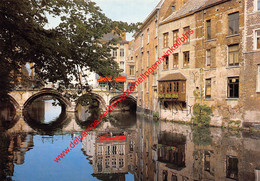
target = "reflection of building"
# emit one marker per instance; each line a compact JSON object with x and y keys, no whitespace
{"x":111,"y":153}
{"x":12,"y":150}
{"x":209,"y":154}
{"x":89,"y":143}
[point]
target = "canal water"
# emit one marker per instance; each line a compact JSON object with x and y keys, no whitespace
{"x":125,"y":147}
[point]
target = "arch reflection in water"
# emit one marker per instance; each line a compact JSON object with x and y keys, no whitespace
{"x":87,"y":110}
{"x":8,"y":116}
{"x":46,"y":114}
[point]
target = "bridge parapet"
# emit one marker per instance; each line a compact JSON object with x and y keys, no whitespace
{"x":21,"y":98}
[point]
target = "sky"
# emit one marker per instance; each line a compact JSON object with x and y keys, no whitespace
{"x":130,"y":11}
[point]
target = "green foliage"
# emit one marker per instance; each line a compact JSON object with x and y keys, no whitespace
{"x":202,"y":115}
{"x":156,"y":115}
{"x":201,"y":136}
{"x":234,"y":123}
{"x":60,"y":54}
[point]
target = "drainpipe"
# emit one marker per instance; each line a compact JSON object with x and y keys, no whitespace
{"x":157,"y":52}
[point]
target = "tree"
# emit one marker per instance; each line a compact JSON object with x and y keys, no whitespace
{"x":58,"y":54}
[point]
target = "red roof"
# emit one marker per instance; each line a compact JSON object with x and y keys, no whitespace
{"x":109,"y":79}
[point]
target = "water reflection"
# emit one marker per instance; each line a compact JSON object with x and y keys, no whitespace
{"x":126,"y":148}
{"x":46,"y":115}
{"x":8,"y":115}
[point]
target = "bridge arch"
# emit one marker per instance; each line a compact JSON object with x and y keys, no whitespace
{"x":49,"y":92}
{"x":129,"y":103}
{"x":14,"y":102}
{"x":98,"y":97}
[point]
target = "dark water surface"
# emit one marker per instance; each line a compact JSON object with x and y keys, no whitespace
{"x":149,"y":150}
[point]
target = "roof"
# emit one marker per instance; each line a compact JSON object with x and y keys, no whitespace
{"x":189,"y":7}
{"x":174,"y":76}
{"x":109,"y":36}
{"x":211,"y":3}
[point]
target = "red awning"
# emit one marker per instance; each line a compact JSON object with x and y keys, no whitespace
{"x":108,"y":79}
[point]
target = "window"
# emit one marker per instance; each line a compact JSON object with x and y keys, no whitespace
{"x":121,"y":44}
{"x":258,"y":5}
{"x":107,"y":150}
{"x":208,"y":88}
{"x":148,"y":54}
{"x":165,"y":40}
{"x":114,"y":149}
{"x":156,"y":29}
{"x":122,"y":65}
{"x":107,"y":163}
{"x":208,"y":57}
{"x":165,"y":175}
{"x":173,"y":8}
{"x":233,"y":55}
{"x":142,"y":40}
{"x":186,"y":59}
{"x":166,"y":63}
{"x":175,"y":36}
{"x":258,"y":79}
{"x":155,"y":78}
{"x":132,"y":58}
{"x":233,"y":23}
{"x":186,"y":29}
{"x":233,"y":87}
{"x":175,"y":60}
{"x":114,"y":53}
{"x":176,"y":87}
{"x":207,"y":161}
{"x":174,"y":177}
{"x":122,"y":52}
{"x":208,"y":29}
{"x":232,"y":167}
{"x":121,"y":162}
{"x":136,"y":60}
{"x":99,"y":150}
{"x":257,"y":39}
{"x":113,"y":162}
{"x":148,"y":36}
{"x":131,"y":70}
{"x":142,"y":61}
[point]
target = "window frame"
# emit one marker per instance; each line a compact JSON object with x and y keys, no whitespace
{"x":166,"y":40}
{"x":184,"y":59}
{"x":122,"y":52}
{"x":258,"y":79}
{"x":236,"y":28}
{"x":174,"y":37}
{"x":232,"y":83}
{"x":187,"y":41}
{"x":233,"y":52}
{"x":208,"y":83}
{"x":175,"y":62}
{"x":208,"y":57}
{"x":115,"y":53}
{"x":148,"y":36}
{"x":131,"y":70}
{"x":255,"y":39}
{"x":208,"y":25}
{"x":166,"y":63}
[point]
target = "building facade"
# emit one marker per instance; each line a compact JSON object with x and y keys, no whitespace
{"x":217,"y":65}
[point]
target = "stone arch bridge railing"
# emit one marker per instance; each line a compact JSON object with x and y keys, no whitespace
{"x":21,"y":98}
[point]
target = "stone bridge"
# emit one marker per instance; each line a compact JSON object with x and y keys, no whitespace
{"x":22,"y":98}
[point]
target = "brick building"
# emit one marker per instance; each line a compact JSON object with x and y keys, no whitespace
{"x":218,"y":65}
{"x":251,"y":69}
